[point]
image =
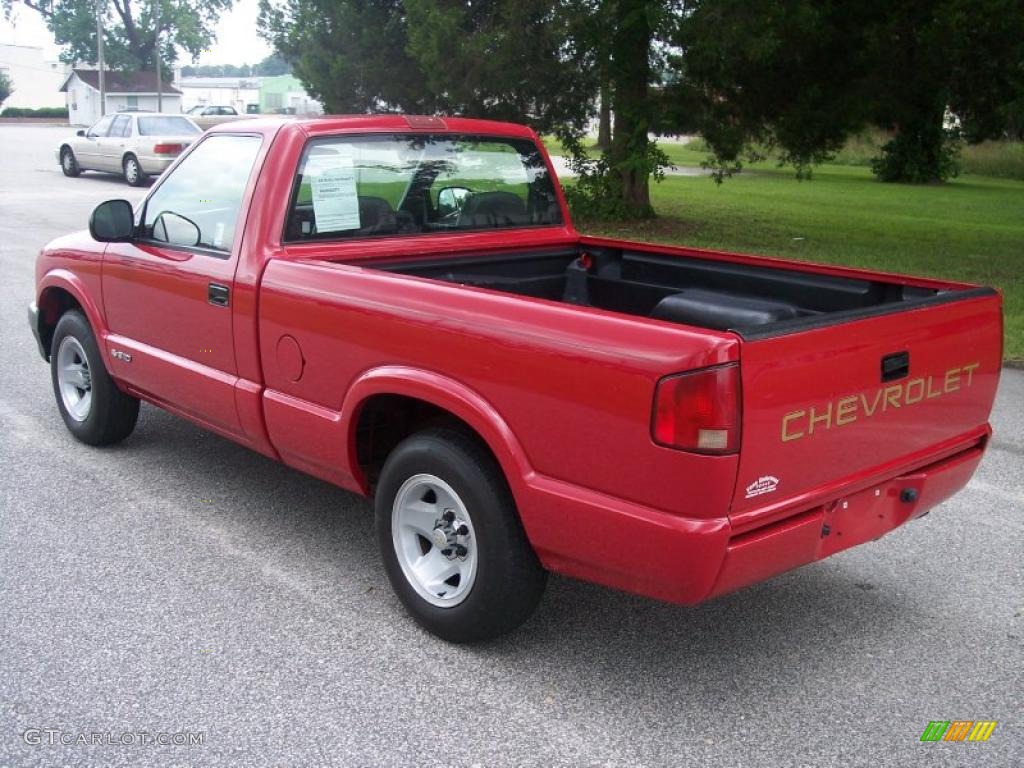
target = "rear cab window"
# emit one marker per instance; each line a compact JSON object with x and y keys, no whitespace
{"x":351,"y":187}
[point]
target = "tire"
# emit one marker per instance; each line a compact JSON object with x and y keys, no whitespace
{"x":94,"y":410}
{"x":500,"y":580}
{"x":132,"y":171}
{"x":69,"y":163}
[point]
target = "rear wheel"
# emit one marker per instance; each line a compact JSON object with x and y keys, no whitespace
{"x":133,"y":173}
{"x":93,"y":408}
{"x":451,"y":541}
{"x":68,"y":162}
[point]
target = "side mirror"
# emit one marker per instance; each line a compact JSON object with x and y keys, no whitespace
{"x":112,"y":222}
{"x":174,"y":229}
{"x":451,"y":199}
{"x":80,"y":132}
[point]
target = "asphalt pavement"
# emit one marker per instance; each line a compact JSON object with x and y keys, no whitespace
{"x":181,"y":585}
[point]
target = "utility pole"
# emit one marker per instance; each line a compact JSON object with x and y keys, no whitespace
{"x":99,"y":50}
{"x":156,"y":48}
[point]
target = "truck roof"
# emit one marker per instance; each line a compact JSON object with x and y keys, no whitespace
{"x":384,"y":123}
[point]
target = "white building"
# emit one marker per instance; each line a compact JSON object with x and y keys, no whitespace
{"x":237,"y":92}
{"x":125,"y":90}
{"x":36,"y":79}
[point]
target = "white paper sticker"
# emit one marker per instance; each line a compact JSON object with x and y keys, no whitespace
{"x":335,"y":199}
{"x":218,"y":235}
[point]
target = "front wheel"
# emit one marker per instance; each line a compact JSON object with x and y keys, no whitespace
{"x":93,"y":408}
{"x":133,"y":173}
{"x":452,"y":544}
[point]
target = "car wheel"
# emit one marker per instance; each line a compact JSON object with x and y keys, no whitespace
{"x":133,"y":173}
{"x":93,"y":408}
{"x":451,"y":541}
{"x":68,"y":162}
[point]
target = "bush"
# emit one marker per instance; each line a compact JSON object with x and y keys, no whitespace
{"x":61,"y":112}
{"x":926,"y":156}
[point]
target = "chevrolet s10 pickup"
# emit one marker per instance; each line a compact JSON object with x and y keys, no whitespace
{"x":402,"y":306}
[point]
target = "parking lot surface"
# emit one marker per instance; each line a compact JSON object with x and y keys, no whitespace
{"x":179,"y":584}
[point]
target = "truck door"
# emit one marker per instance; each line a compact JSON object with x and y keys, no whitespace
{"x":168,"y":294}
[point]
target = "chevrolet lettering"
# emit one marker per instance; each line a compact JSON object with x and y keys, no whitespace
{"x":846,"y":410}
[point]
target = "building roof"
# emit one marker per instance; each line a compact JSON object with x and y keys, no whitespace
{"x":121,"y":82}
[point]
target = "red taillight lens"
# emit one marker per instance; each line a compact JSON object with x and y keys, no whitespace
{"x":699,"y":411}
{"x":168,"y":149}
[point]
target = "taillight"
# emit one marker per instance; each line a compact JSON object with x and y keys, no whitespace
{"x":699,"y":411}
{"x":168,"y":149}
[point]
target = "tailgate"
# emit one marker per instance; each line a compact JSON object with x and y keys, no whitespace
{"x":847,"y":401}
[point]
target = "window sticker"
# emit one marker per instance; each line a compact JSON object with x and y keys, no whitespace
{"x":335,"y":199}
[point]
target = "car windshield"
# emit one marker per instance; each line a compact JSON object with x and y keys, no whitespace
{"x":166,"y":125}
{"x":368,"y":186}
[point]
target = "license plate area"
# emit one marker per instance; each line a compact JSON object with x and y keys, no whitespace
{"x":867,"y":515}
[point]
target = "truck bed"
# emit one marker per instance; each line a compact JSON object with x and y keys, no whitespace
{"x":751,"y":300}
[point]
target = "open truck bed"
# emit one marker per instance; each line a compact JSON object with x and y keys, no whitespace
{"x":689,"y":286}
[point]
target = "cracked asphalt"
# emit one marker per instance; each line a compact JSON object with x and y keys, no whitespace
{"x":179,"y":584}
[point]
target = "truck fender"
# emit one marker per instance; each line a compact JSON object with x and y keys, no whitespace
{"x":68,"y":281}
{"x":449,"y":395}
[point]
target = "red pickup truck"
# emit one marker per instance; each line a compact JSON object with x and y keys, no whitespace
{"x":401,"y":306}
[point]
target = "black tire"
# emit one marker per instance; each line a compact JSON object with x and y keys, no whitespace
{"x":132,"y":171}
{"x":69,"y":163}
{"x":111,"y":414}
{"x":509,"y":580}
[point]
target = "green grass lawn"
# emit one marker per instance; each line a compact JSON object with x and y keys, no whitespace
{"x":970,"y":229}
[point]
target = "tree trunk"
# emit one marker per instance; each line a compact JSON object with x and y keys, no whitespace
{"x":630,"y":48}
{"x":604,"y":120}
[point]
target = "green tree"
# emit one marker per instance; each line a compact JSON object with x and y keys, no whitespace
{"x":6,"y":87}
{"x":272,"y":65}
{"x":350,"y":54}
{"x":515,"y":60}
{"x":800,"y":76}
{"x":130,"y":29}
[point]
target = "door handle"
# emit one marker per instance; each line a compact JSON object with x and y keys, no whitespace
{"x":217,"y":294}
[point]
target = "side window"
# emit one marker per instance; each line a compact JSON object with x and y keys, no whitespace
{"x":198,"y":204}
{"x":101,"y":127}
{"x":120,"y":126}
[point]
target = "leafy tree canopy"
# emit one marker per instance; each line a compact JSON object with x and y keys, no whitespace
{"x":130,"y":29}
{"x":802,"y":76}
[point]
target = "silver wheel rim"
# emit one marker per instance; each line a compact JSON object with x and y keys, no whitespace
{"x":74,"y":379}
{"x":69,"y":163}
{"x":131,"y":170}
{"x":433,"y":537}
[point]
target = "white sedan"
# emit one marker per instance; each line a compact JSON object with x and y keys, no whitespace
{"x":134,"y":144}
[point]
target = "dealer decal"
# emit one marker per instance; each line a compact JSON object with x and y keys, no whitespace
{"x":797,"y":425}
{"x":764,"y":484}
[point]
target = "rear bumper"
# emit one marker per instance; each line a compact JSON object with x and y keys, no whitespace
{"x":154,"y":165}
{"x":33,"y":323}
{"x":687,"y":561}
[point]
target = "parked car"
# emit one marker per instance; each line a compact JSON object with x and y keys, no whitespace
{"x":136,"y":145}
{"x":402,"y":306}
{"x":209,"y":115}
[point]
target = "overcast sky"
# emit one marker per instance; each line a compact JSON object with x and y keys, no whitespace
{"x":236,"y":43}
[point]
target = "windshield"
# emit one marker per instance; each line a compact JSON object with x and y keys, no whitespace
{"x":366,"y":186}
{"x":167,"y":125}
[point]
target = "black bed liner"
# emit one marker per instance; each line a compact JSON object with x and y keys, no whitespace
{"x":750,"y":300}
